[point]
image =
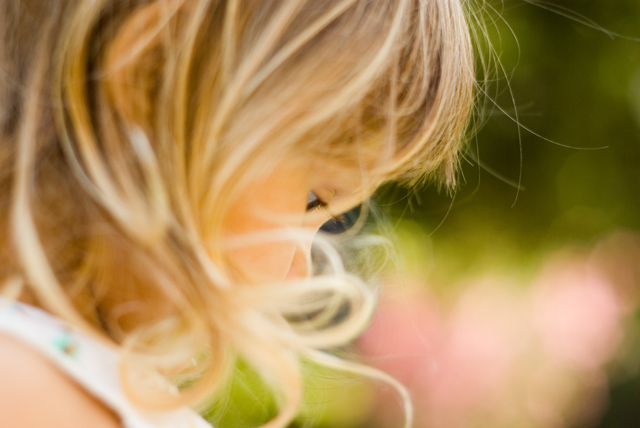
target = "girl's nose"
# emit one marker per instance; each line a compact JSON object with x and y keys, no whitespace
{"x":301,"y":262}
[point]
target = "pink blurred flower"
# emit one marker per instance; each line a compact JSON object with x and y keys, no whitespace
{"x":578,"y":315}
{"x":452,"y":363}
{"x":498,"y":357}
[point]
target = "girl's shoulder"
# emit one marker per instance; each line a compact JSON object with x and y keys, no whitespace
{"x":62,"y":371}
{"x":34,"y":392}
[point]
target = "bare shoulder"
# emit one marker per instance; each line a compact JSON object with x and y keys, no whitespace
{"x":35,"y":393}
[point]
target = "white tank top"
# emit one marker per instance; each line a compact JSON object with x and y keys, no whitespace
{"x":91,"y":364}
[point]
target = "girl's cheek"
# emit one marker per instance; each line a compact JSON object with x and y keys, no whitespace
{"x":299,"y":266}
{"x":265,"y":219}
{"x":264,"y":263}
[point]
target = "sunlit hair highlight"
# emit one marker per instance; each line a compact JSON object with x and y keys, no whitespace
{"x":130,"y":127}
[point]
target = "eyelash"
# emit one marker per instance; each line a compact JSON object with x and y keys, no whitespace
{"x":337,"y":224}
{"x":314,"y":201}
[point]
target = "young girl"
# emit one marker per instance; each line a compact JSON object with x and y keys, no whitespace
{"x":164,"y":165}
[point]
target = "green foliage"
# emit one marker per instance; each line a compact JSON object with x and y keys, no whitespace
{"x":569,"y":169}
{"x":246,"y":402}
{"x":331,"y":399}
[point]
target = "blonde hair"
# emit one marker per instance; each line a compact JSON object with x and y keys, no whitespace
{"x":129,"y":127}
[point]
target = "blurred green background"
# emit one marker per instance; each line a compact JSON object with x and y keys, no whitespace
{"x":567,"y":176}
{"x":574,"y":85}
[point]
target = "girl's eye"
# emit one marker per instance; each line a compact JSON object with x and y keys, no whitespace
{"x":313,"y":201}
{"x":343,"y":222}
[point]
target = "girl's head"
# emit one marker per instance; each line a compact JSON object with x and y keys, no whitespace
{"x":161,"y":161}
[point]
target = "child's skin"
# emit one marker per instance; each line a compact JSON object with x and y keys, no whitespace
{"x":281,"y":201}
{"x":278,"y":201}
{"x":34,"y":393}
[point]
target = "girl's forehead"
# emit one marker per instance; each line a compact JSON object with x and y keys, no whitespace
{"x":349,"y":183}
{"x":347,"y":175}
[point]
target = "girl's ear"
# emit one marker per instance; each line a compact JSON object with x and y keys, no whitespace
{"x":136,"y":58}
